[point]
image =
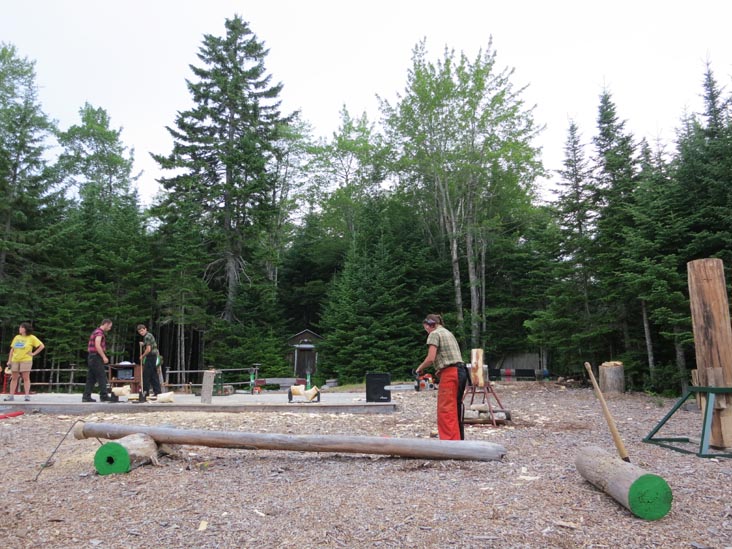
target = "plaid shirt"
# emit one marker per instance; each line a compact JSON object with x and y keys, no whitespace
{"x":91,"y":347}
{"x":448,"y":350}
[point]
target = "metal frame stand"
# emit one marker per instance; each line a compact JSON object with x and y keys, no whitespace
{"x":487,"y":391}
{"x":711,"y":394}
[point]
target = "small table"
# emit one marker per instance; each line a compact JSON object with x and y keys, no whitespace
{"x":125,"y":374}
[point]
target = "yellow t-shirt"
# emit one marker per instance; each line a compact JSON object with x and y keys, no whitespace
{"x":23,"y":347}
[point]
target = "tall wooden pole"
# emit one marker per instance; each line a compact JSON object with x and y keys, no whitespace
{"x":412,"y":448}
{"x":712,"y":340}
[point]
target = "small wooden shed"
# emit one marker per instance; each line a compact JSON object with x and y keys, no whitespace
{"x":304,"y":354}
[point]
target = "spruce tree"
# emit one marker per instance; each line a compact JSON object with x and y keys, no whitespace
{"x":223,"y":152}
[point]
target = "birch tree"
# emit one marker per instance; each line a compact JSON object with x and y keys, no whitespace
{"x":463,"y":137}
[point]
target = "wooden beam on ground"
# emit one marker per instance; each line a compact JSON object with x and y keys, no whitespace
{"x":410,"y":448}
{"x":646,"y":495}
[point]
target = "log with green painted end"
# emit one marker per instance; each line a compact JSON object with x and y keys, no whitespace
{"x":125,"y":454}
{"x":646,"y":495}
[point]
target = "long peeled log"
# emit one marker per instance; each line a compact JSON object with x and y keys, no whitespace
{"x":411,"y":448}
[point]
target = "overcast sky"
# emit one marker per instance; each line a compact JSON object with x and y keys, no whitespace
{"x":132,"y":57}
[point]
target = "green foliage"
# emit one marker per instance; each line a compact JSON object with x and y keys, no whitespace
{"x":233,"y":345}
{"x":260,"y":232}
{"x":371,"y":322}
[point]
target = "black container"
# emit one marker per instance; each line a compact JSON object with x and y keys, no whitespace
{"x":375,"y":391}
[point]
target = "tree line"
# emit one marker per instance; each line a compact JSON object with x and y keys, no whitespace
{"x":262,"y":229}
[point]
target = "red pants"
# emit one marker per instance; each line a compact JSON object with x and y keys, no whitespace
{"x":448,"y":405}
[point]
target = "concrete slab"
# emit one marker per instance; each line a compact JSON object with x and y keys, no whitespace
{"x":330,"y":402}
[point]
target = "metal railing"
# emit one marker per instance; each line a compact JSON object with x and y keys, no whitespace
{"x":73,"y":378}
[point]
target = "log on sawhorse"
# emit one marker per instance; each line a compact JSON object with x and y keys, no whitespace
{"x":403,"y":447}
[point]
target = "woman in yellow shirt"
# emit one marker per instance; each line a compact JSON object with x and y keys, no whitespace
{"x":20,"y":359}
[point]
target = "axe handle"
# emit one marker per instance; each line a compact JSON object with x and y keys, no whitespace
{"x":608,"y":417}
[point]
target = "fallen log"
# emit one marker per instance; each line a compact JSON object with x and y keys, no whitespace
{"x":410,"y":448}
{"x":645,"y":495}
{"x":124,"y":455}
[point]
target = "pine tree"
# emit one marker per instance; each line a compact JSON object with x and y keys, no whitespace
{"x":224,"y":148}
{"x":26,"y":186}
{"x":616,"y":179}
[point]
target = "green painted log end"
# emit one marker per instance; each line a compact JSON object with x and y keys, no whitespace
{"x":112,"y":458}
{"x":649,"y":497}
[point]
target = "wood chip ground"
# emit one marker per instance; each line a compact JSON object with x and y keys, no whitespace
{"x":221,"y":498}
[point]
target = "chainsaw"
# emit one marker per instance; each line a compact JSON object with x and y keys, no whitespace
{"x":423,"y":382}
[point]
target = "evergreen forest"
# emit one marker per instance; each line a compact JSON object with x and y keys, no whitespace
{"x":262,"y":229}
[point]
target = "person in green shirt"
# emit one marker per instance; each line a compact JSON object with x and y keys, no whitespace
{"x":150,"y":377}
{"x":443,"y":352}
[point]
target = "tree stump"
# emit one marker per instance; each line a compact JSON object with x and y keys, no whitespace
{"x":125,"y":454}
{"x":612,"y":377}
{"x":645,"y":495}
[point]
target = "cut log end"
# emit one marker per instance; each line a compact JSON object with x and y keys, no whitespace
{"x":650,"y":497}
{"x":111,"y":458}
{"x":126,"y":454}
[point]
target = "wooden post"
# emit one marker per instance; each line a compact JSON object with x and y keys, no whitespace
{"x":712,"y":340}
{"x":404,"y":447}
{"x":207,"y":386}
{"x":646,"y":495}
{"x":612,"y":377}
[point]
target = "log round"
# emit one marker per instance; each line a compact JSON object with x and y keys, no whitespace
{"x":645,"y":495}
{"x":124,"y":455}
{"x":612,"y":377}
{"x":411,"y":448}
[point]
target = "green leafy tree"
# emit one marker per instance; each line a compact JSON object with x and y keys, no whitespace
{"x":462,"y":138}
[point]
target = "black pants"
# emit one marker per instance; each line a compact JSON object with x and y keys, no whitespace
{"x":97,"y":374}
{"x":463,"y":378}
{"x":150,"y":377}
